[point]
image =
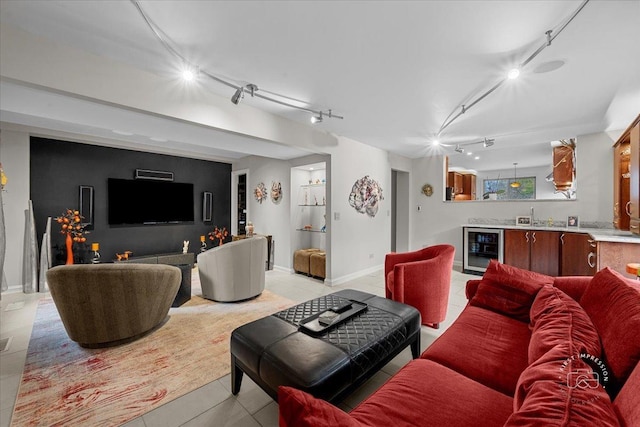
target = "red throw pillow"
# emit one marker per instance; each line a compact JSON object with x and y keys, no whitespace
{"x":613,"y":304}
{"x":558,"y":318}
{"x":300,"y":409}
{"x":509,"y":290}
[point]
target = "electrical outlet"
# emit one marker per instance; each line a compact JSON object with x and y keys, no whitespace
{"x":336,"y":216}
{"x":419,"y":208}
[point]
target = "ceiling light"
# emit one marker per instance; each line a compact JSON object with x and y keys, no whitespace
{"x":488,"y":142}
{"x":239,"y":88}
{"x":435,"y":142}
{"x":238,"y":95}
{"x":469,"y":153}
{"x":513,"y":73}
{"x":477,"y":157}
{"x":515,"y":183}
{"x":317,"y":119}
{"x":459,"y":149}
{"x":189,"y":73}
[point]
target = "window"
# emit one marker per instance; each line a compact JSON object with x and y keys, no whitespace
{"x":504,"y":191}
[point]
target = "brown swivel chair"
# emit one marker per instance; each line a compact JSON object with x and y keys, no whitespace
{"x":108,"y":304}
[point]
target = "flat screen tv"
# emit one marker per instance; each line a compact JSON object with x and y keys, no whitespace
{"x":138,"y":201}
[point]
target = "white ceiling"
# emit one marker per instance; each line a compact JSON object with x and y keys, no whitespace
{"x":394,"y":69}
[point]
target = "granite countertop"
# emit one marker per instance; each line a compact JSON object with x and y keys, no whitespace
{"x":597,"y":234}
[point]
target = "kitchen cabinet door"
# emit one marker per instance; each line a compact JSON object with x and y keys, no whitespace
{"x":578,"y":253}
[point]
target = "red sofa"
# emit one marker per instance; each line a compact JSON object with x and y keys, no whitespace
{"x":527,"y":350}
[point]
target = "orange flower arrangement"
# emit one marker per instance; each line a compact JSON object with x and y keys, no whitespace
{"x":218,"y":233}
{"x":71,"y":223}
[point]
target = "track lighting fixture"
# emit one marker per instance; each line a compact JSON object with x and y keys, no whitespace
{"x":459,"y":149}
{"x":239,"y":88}
{"x":488,"y":142}
{"x":238,"y":95}
{"x":512,"y":73}
{"x":316,"y":119}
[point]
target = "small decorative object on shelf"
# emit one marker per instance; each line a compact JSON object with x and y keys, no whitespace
{"x":123,"y":256}
{"x":573,"y":221}
{"x":71,"y":226}
{"x":95,"y":247}
{"x":307,"y":227}
{"x":203,"y":244}
{"x":219,"y":234}
{"x":249,"y":229}
{"x":523,"y":221}
{"x":185,"y":246}
{"x":260,"y":192}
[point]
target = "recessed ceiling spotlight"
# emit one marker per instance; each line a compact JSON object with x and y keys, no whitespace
{"x":548,"y":66}
{"x":513,"y":73}
{"x":469,"y":153}
{"x":122,"y":132}
{"x":477,"y":157}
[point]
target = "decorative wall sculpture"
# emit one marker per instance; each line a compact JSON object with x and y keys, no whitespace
{"x":260,"y":192}
{"x":366,"y":195}
{"x":276,"y":192}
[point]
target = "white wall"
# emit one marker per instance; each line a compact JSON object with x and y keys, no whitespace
{"x":14,"y":155}
{"x":440,"y":222}
{"x":268,"y":217}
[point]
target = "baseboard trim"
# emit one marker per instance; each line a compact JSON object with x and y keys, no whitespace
{"x":352,"y":276}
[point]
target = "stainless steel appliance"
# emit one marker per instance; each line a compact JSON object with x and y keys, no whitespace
{"x":480,"y":245}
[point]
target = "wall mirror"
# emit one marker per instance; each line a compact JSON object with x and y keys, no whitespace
{"x":488,"y":172}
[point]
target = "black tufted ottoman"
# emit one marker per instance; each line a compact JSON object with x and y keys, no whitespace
{"x":273,"y":352}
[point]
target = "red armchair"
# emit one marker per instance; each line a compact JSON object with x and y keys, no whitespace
{"x":421,"y":279}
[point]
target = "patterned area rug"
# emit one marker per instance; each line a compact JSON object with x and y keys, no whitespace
{"x":65,"y":384}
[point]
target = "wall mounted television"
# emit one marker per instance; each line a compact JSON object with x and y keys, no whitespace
{"x":138,"y":201}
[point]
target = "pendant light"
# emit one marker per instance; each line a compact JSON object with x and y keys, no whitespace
{"x":515,"y":183}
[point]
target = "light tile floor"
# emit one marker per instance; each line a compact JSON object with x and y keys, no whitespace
{"x":213,"y":404}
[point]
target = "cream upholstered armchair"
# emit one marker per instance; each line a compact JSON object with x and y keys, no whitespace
{"x":234,"y":271}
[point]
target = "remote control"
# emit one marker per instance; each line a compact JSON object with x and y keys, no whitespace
{"x":327,"y":317}
{"x":341,"y":307}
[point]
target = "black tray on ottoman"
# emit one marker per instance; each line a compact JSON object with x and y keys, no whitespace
{"x":274,"y":351}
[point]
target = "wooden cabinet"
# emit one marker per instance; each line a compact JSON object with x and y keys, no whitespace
{"x":463,"y":184}
{"x":626,"y":179}
{"x":533,"y":250}
{"x":469,"y":186}
{"x":634,"y":180}
{"x":455,"y":180}
{"x":578,"y":254}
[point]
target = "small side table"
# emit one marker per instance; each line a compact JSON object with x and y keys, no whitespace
{"x":634,"y":268}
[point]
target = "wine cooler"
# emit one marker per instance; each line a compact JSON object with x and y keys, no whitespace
{"x":480,"y":245}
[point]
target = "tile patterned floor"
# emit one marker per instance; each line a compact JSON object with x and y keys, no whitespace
{"x":213,"y":404}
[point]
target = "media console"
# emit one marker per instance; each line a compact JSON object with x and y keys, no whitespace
{"x":183,"y":261}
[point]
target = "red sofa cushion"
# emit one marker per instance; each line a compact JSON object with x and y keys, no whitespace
{"x":484,"y":346}
{"x":627,"y":403}
{"x":421,"y":393}
{"x":556,"y":318}
{"x":613,"y":303}
{"x":551,"y":403}
{"x":509,"y":290}
{"x":300,"y":409}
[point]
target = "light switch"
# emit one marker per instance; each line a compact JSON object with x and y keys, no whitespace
{"x":336,"y":216}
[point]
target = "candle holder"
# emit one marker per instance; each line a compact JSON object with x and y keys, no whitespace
{"x":95,"y":247}
{"x":203,"y":244}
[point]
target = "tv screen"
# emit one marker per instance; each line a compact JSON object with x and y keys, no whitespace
{"x":138,"y":201}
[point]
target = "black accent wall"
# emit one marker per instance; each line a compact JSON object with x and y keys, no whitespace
{"x":58,"y":168}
